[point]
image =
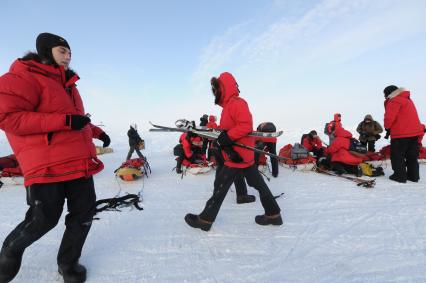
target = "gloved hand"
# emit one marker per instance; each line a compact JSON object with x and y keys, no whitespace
{"x":76,"y":122}
{"x":387,"y":133}
{"x":224,"y":140}
{"x":232,"y":154}
{"x":377,"y":136}
{"x":105,"y":138}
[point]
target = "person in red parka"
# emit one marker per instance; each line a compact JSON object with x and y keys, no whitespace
{"x":44,"y":120}
{"x":402,"y":122}
{"x":313,"y":143}
{"x":268,"y":145}
{"x":342,"y":160}
{"x":332,"y":126}
{"x":189,"y":150}
{"x":236,"y":122}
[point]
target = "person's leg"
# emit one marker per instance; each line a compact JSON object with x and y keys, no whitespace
{"x":272,"y":148}
{"x":371,"y":146}
{"x":139,"y":153}
{"x":131,"y":150}
{"x":255,"y":180}
{"x":399,"y":166}
{"x":81,"y":198}
{"x":46,"y":203}
{"x":411,"y":157}
{"x":223,"y":181}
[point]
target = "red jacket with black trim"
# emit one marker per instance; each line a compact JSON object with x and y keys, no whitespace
{"x":35,"y":99}
{"x":236,"y":119}
{"x":311,"y":143}
{"x":212,"y":122}
{"x":401,"y":115}
{"x":339,"y":149}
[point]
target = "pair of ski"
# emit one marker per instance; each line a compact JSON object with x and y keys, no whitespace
{"x":359,"y":182}
{"x":214,"y":134}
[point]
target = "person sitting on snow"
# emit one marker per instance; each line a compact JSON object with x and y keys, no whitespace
{"x":342,"y":160}
{"x":135,"y":142}
{"x":267,"y":144}
{"x":313,"y":143}
{"x":369,"y":132}
{"x":332,"y":126}
{"x":189,"y":149}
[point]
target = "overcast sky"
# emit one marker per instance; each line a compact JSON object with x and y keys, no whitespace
{"x":296,"y":62}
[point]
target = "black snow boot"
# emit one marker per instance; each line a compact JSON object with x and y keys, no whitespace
{"x":9,"y":265}
{"x":268,"y":220}
{"x":395,"y":178}
{"x":196,"y":222}
{"x":74,"y":273}
{"x":245,"y":199}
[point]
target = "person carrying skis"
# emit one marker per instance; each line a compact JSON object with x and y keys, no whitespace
{"x":268,"y":145}
{"x":135,"y":142}
{"x":313,"y":143}
{"x":342,"y":160}
{"x":236,"y":122}
{"x":189,"y":151}
{"x":369,"y":132}
{"x":332,"y":126}
{"x":402,"y":123}
{"x":43,"y":116}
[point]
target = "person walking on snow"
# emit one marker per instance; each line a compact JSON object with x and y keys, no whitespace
{"x":134,"y":142}
{"x":402,"y":123}
{"x":236,"y":122}
{"x":43,"y":116}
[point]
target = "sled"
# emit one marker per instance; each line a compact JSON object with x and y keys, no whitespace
{"x":198,"y":168}
{"x":133,"y":169}
{"x":102,"y":150}
{"x":301,"y":164}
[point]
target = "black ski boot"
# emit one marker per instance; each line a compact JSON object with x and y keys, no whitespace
{"x":74,"y":273}
{"x":9,"y":265}
{"x":196,"y":222}
{"x":268,"y":220}
{"x":397,"y":179}
{"x":245,"y":199}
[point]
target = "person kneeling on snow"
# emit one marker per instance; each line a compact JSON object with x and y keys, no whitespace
{"x":342,"y":160}
{"x":313,"y":143}
{"x":189,"y":151}
{"x":369,"y":132}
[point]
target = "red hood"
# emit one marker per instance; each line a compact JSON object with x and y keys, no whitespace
{"x":228,"y":88}
{"x":340,"y":132}
{"x":337,"y":117}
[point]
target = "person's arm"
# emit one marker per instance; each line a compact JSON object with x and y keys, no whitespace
{"x":243,"y":121}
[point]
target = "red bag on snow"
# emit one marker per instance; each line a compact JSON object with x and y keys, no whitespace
{"x":285,"y":152}
{"x":385,"y":152}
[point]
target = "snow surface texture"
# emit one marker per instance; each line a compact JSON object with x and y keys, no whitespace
{"x":333,"y":230}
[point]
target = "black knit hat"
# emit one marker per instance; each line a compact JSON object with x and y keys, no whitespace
{"x":313,"y":133}
{"x":389,"y":89}
{"x":46,"y":41}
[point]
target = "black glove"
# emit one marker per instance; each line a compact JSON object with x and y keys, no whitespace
{"x":224,"y":140}
{"x":105,"y":138}
{"x":377,"y":136}
{"x":76,"y":122}
{"x":232,"y":154}
{"x":387,"y":133}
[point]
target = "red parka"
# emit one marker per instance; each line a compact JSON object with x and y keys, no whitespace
{"x":339,"y":149}
{"x":236,"y":119}
{"x":190,"y":145}
{"x":335,"y":124}
{"x":35,"y":99}
{"x":212,"y":122}
{"x":311,"y":143}
{"x":401,"y":115}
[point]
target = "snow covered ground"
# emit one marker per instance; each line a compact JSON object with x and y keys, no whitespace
{"x":333,"y":230}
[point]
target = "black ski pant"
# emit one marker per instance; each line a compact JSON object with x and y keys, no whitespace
{"x":270,"y":147}
{"x":370,"y":145}
{"x":239,"y":182}
{"x":132,"y":149}
{"x":224,"y":179}
{"x":46,"y":203}
{"x":404,"y":154}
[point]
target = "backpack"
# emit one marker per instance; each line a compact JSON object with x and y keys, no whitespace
{"x":356,"y":146}
{"x":299,"y":152}
{"x":326,"y":128}
{"x":267,"y":127}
